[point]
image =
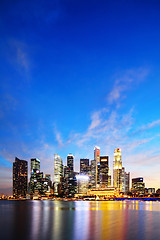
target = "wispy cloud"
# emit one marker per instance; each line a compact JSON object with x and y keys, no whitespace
{"x":110,"y":129}
{"x":19,"y":57}
{"x":125,"y":82}
{"x":150,"y":125}
{"x":58,"y":137}
{"x":22,"y":58}
{"x":96,"y":118}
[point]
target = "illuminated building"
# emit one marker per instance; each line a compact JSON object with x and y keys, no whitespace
{"x":58,"y":171}
{"x":93,"y":173}
{"x":158,"y":191}
{"x":103,"y":171}
{"x":149,"y":190}
{"x":109,"y":177}
{"x":84,"y":166}
{"x":117,"y":169}
{"x":97,"y":159}
{"x":20,"y":178}
{"x":127,"y":182}
{"x":123,"y":180}
{"x":66,"y":179}
{"x":72,"y":185}
{"x":35,"y":170}
{"x":138,"y":186}
{"x":70,"y":164}
{"x":82,"y":184}
{"x":41,"y":185}
{"x":104,"y":192}
{"x":72,"y":181}
{"x":48,"y":178}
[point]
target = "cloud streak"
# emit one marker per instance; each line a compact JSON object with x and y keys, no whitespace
{"x":122,"y":84}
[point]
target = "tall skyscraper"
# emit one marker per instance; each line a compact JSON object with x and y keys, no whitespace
{"x":20,"y":178}
{"x":103,"y":173}
{"x":93,"y":173}
{"x":58,"y":171}
{"x":84,"y":166}
{"x":123,"y":180}
{"x":97,"y":159}
{"x":117,"y":169}
{"x":35,"y":170}
{"x":127,"y":182}
{"x":70,"y":164}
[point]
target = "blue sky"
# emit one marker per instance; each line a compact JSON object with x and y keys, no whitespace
{"x":75,"y":74}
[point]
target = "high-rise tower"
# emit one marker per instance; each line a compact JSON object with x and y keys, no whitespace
{"x":103,"y":173}
{"x":20,"y":178}
{"x":58,"y":171}
{"x":35,"y":172}
{"x":84,"y":166}
{"x":97,"y":160}
{"x":70,"y":165}
{"x":117,"y":169}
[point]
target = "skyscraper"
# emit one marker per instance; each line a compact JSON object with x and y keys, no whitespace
{"x":58,"y":171}
{"x":84,"y":166}
{"x":103,"y":173}
{"x":123,"y":180}
{"x":127,"y":182}
{"x":97,"y":159}
{"x":35,"y":170}
{"x":93,"y":173}
{"x":70,"y":165}
{"x":20,"y":178}
{"x":117,"y":169}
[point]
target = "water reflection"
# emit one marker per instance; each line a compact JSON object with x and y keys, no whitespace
{"x":79,"y":220}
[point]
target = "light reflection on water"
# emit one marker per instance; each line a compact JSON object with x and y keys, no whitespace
{"x":38,"y":220}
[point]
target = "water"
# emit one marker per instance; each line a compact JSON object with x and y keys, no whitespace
{"x":59,"y":220}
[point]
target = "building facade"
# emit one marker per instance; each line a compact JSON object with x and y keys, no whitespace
{"x":58,"y":172}
{"x":70,"y":164}
{"x":138,"y":186}
{"x":93,"y":173}
{"x":97,"y":159}
{"x":35,"y":170}
{"x":84,"y":166}
{"x":20,"y":178}
{"x":103,"y":172}
{"x":117,"y":169}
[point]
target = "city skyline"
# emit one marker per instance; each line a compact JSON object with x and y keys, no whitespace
{"x":85,"y":168}
{"x":75,"y":75}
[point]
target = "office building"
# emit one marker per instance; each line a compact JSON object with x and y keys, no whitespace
{"x":58,"y":172}
{"x":82,"y":184}
{"x":70,"y":164}
{"x":127,"y":182}
{"x":97,"y":159}
{"x":138,"y":186}
{"x":20,"y":178}
{"x":123,"y":180}
{"x":103,"y":171}
{"x":117,"y":169}
{"x":35,"y":170}
{"x":84,"y":166}
{"x":93,"y":173}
